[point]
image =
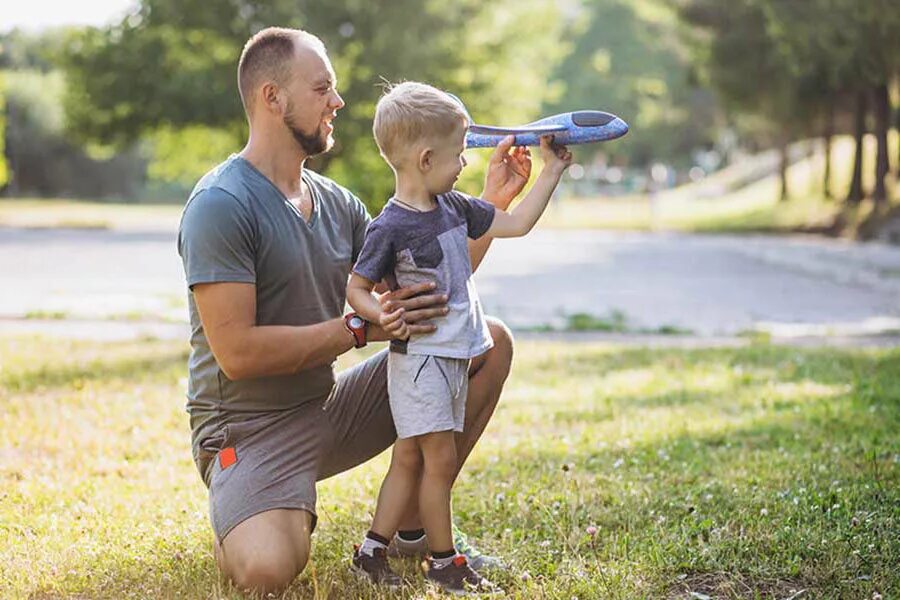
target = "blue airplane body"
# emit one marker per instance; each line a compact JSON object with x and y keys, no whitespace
{"x":579,"y":127}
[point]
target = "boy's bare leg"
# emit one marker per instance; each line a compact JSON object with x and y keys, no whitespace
{"x":487,"y":374}
{"x":399,"y":485}
{"x":438,"y":471}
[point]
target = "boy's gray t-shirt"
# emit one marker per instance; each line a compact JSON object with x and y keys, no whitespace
{"x":238,"y":227}
{"x":405,"y":247}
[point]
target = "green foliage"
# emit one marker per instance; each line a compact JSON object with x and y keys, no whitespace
{"x":627,"y":58}
{"x":4,"y":167}
{"x":171,"y":65}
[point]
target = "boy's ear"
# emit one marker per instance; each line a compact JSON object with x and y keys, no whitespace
{"x":426,"y":159}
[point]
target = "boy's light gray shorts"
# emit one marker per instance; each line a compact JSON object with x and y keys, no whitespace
{"x":427,"y":393}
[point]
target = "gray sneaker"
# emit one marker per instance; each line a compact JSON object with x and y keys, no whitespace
{"x":459,"y":578}
{"x":400,"y":548}
{"x":478,"y":561}
{"x":375,"y":567}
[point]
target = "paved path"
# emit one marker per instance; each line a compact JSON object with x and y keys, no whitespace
{"x":711,"y":285}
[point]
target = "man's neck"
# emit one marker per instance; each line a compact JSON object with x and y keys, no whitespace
{"x":278,"y":158}
{"x":413,"y":192}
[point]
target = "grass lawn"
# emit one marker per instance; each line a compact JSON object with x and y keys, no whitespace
{"x":742,"y":473}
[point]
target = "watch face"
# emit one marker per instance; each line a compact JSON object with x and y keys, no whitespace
{"x":356,"y":322}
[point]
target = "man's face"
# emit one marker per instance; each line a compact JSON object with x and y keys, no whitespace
{"x":312,"y":102}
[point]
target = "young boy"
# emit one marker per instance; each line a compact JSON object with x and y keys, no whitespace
{"x":421,"y":235}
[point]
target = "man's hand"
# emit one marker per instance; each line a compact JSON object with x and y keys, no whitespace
{"x":417,"y":304}
{"x":507,"y":174}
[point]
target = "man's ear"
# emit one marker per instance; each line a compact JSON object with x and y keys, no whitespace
{"x":426,"y":159}
{"x":271,"y":97}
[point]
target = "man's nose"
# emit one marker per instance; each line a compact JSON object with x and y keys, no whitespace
{"x":337,"y":102}
{"x":463,"y":160}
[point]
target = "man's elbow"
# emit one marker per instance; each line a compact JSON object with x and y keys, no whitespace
{"x":236,"y":366}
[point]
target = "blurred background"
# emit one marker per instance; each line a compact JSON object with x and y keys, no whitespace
{"x":756,"y":117}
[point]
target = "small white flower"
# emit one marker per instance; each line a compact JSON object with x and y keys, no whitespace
{"x":764,"y":511}
{"x":619,"y":462}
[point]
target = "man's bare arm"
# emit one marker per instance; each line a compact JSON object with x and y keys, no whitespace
{"x":244,"y":349}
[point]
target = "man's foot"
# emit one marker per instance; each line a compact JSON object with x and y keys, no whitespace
{"x":419,"y":548}
{"x":478,"y":561}
{"x":375,"y":567}
{"x":459,"y":578}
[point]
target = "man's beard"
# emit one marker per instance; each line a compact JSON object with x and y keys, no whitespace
{"x":312,"y":144}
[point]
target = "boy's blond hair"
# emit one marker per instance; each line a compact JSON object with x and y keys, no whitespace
{"x":410,"y":111}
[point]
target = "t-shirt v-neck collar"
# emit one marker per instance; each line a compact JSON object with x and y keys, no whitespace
{"x":314,"y":214}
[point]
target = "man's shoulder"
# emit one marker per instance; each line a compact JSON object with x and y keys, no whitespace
{"x":228,"y":178}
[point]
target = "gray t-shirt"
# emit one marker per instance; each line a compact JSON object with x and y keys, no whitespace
{"x":405,"y":247}
{"x":238,"y":227}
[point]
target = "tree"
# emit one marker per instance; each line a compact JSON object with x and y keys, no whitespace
{"x":172,"y":65}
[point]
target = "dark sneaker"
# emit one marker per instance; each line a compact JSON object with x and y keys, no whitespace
{"x":478,"y":561}
{"x":459,"y":578}
{"x":375,"y":567}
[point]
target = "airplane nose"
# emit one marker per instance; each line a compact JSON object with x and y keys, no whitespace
{"x":619,"y":126}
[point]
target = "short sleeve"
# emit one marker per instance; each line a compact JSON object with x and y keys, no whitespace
{"x":216,"y":239}
{"x":478,"y":213}
{"x":376,"y":259}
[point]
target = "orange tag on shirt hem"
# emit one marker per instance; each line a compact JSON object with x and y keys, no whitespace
{"x":227,"y":457}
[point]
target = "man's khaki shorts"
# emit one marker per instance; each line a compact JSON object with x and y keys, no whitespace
{"x":275,"y":460}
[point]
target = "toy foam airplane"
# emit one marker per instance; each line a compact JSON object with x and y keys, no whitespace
{"x":580,"y":127}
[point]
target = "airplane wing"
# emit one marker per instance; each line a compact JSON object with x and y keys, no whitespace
{"x":537,"y":130}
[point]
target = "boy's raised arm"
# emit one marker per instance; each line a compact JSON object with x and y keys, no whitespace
{"x":521,"y":219}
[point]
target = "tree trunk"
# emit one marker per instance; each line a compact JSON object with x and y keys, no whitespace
{"x":829,"y":134}
{"x":855,"y":195}
{"x":782,"y":168}
{"x":882,"y":110}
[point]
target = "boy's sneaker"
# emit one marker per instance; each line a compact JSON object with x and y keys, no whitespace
{"x":419,"y":548}
{"x":375,"y":567}
{"x":459,"y":578}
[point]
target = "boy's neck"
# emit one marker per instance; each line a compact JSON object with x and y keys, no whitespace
{"x":412,"y":191}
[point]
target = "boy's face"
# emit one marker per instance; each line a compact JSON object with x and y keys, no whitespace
{"x":447,"y":161}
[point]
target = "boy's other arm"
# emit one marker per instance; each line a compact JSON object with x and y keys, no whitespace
{"x":370,"y":308}
{"x":523,"y":217}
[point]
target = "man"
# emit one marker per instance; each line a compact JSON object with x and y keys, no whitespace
{"x":267,"y":248}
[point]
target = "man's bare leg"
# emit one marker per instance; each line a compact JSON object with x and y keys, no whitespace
{"x":266,"y":552}
{"x":487,"y":374}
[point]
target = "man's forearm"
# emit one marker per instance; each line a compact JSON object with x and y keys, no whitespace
{"x":285,"y":350}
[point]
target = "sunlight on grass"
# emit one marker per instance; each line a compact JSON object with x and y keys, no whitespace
{"x":718,"y":471}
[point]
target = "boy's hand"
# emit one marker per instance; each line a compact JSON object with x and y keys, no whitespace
{"x":394,"y":325}
{"x":556,"y":158}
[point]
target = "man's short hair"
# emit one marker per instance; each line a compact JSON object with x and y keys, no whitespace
{"x":410,"y":111}
{"x":267,"y":56}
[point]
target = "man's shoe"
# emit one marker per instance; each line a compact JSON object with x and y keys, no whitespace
{"x":375,"y":567}
{"x":459,"y":578}
{"x":478,"y":561}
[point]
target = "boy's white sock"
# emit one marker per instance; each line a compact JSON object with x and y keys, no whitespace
{"x":372,"y":542}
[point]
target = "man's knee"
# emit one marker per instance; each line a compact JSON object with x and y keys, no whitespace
{"x":503,"y":338}
{"x":265,"y":553}
{"x":266,"y":572}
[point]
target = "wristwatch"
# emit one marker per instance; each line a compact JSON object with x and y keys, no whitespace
{"x":356,"y":325}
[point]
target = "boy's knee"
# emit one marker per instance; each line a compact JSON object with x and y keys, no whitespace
{"x":441,"y":461}
{"x":502,"y":352}
{"x":408,"y":457}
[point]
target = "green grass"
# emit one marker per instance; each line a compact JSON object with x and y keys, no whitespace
{"x":728,"y":472}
